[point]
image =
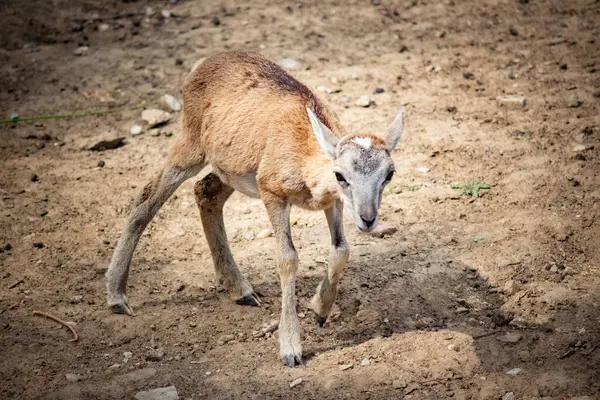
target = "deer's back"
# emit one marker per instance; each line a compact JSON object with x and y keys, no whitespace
{"x":237,"y":103}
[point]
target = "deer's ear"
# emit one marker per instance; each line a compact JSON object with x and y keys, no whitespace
{"x":395,"y":131}
{"x":325,"y":137}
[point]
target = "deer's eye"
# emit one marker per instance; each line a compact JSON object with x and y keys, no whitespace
{"x":389,"y":177}
{"x":340,"y":178}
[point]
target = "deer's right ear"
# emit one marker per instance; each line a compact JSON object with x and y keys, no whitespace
{"x":325,"y":137}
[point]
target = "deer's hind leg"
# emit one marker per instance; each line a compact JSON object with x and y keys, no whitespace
{"x":146,"y":204}
{"x":211,"y":195}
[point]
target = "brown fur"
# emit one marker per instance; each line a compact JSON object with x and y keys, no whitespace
{"x":248,"y":119}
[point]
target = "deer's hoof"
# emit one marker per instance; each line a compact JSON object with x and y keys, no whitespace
{"x":320,"y":320}
{"x":292,"y":360}
{"x":251,"y":299}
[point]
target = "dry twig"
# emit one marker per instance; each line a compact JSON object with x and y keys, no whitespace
{"x":60,"y":321}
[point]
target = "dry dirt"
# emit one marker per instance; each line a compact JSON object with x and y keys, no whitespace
{"x":417,"y":305}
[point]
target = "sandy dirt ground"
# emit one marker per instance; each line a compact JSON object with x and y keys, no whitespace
{"x":472,"y":298}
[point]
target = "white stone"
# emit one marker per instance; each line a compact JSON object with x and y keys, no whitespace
{"x":510,"y":287}
{"x":136,"y":130}
{"x":103,"y":27}
{"x":365,"y":361}
{"x":73,"y":377}
{"x":296,"y":382}
{"x":512,"y":101}
{"x":81,"y":50}
{"x":165,"y":393}
{"x":155,"y":117}
{"x":290,"y":63}
{"x":165,"y":14}
{"x":172,"y":102}
{"x":363,"y":101}
{"x":265,"y":233}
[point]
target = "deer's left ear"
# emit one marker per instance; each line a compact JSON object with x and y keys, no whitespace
{"x":395,"y":131}
{"x":325,"y":137}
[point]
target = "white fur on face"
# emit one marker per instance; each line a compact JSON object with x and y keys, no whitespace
{"x":363,"y":141}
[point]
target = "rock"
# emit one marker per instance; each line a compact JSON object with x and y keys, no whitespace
{"x":510,"y":287}
{"x":7,"y":247}
{"x":514,"y":371}
{"x":103,"y":27}
{"x":296,"y":383}
{"x":154,"y":132}
{"x":324,"y":89}
{"x":156,"y":355}
{"x":108,"y":144}
{"x":501,"y":318}
{"x":136,"y":130}
{"x":34,"y":178}
{"x":509,"y":396}
{"x":225,"y":339}
{"x":462,"y":310}
{"x":423,"y":170}
{"x":468,"y":75}
{"x":81,"y":50}
{"x":554,"y":269}
{"x":165,"y":393}
{"x":411,"y":388}
{"x":38,"y":245}
{"x":452,"y":347}
{"x":511,"y":75}
{"x":73,"y":377}
{"x":398,"y":384}
{"x":155,"y":117}
{"x":567,"y":271}
{"x":345,"y":367}
{"x":172,"y":102}
{"x":379,"y":90}
{"x":382,"y":230}
{"x":179,"y":61}
{"x":510,"y":337}
{"x":290,"y":63}
{"x":578,"y":148}
{"x":513,"y":31}
{"x":265,"y":233}
{"x":101,"y":164}
{"x":512,"y":101}
{"x":363,"y":101}
{"x":451,"y":109}
{"x":114,"y":366}
{"x":215,"y":21}
{"x":76,"y":299}
{"x":166,"y":14}
{"x":574,"y":101}
{"x":564,"y":67}
{"x":364,"y":362}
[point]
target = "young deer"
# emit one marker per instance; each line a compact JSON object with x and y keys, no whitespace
{"x":268,"y":136}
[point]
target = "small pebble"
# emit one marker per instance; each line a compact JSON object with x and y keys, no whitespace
{"x":136,"y":130}
{"x":7,"y":246}
{"x":510,"y":287}
{"x":179,"y":61}
{"x":452,"y":347}
{"x":363,"y":101}
{"x":379,"y":90}
{"x":73,"y":377}
{"x":34,"y":178}
{"x":468,"y":75}
{"x":563,"y":67}
{"x":514,"y":31}
{"x":215,"y":21}
{"x":451,"y":109}
{"x":365,"y":361}
{"x":296,"y":382}
{"x":290,"y":63}
{"x":172,"y":102}
{"x":509,"y":396}
{"x":38,"y":245}
{"x":265,"y":233}
{"x":81,"y":50}
{"x":345,"y":367}
{"x":101,"y":164}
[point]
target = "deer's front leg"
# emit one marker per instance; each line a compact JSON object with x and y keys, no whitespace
{"x":323,"y":300}
{"x":290,"y":347}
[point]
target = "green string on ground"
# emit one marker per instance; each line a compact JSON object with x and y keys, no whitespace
{"x":74,"y":115}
